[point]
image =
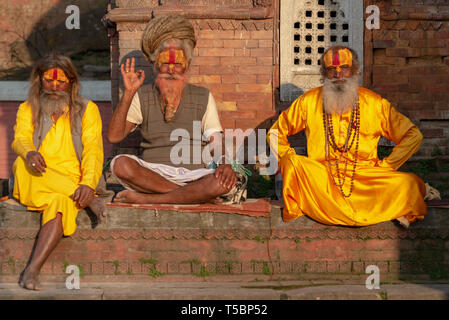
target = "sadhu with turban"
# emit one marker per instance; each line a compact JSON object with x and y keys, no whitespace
{"x":161,"y":110}
{"x":60,"y":156}
{"x":342,"y":181}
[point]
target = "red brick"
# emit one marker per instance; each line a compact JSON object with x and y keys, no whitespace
{"x":221,"y":88}
{"x":237,"y":43}
{"x":205,"y":79}
{"x":434,"y":51}
{"x":384,"y":44}
{"x":255,"y":69}
{"x":429,"y":43}
{"x":255,"y":105}
{"x":390,"y":78}
{"x":242,"y":52}
{"x":262,"y":34}
{"x":242,"y":34}
{"x":265,"y":43}
{"x":238,"y":61}
{"x":261,"y":88}
{"x":403,"y":52}
{"x":230,"y":78}
{"x":206,"y":61}
{"x":442,"y":34}
{"x":265,"y":61}
{"x":209,"y":43}
{"x":247,"y":124}
{"x":216,"y":52}
{"x":216,"y":34}
{"x":238,"y":115}
{"x":264,"y":78}
{"x":244,"y":96}
{"x":219,"y":69}
{"x":261,"y":52}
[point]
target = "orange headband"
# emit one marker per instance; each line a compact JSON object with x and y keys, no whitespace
{"x":55,"y":74}
{"x":338,"y":58}
{"x":172,"y":56}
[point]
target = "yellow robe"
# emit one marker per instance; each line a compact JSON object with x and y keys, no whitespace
{"x":49,"y":192}
{"x":380,"y":193}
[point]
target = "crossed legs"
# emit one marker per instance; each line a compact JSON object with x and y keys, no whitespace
{"x":152,"y":188}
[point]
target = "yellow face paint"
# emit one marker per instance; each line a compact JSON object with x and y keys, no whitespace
{"x":172,"y":57}
{"x":338,"y":58}
{"x":56,"y":75}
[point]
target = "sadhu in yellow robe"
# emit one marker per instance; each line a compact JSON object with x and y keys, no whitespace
{"x":50,"y":191}
{"x":380,"y":192}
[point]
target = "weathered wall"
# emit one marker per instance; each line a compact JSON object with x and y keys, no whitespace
{"x":29,"y":29}
{"x":407,"y":62}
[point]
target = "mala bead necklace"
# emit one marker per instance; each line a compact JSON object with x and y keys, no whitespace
{"x":353,"y":135}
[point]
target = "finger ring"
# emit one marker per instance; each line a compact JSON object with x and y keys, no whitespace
{"x":33,"y":164}
{"x":127,"y":70}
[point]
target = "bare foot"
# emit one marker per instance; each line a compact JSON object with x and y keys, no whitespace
{"x":29,"y":280}
{"x":99,"y":208}
{"x":128,"y":196}
{"x":403,"y":221}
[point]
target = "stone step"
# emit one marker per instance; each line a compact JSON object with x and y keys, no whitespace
{"x":248,"y":242}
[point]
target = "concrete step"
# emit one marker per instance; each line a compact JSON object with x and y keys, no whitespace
{"x":271,"y":290}
{"x":248,"y":242}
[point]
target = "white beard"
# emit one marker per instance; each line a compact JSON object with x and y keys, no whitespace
{"x":339,"y":98}
{"x":53,"y":102}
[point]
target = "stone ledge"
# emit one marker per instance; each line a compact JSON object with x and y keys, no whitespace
{"x":168,"y":241}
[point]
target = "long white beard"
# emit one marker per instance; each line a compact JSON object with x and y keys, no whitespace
{"x":53,"y":102}
{"x":339,"y":98}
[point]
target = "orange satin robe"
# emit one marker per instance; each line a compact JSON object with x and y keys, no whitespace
{"x":380,"y":193}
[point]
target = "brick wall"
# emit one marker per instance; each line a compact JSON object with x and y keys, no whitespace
{"x":407,"y":62}
{"x":8,"y":111}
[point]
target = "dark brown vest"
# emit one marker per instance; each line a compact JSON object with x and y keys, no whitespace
{"x":156,"y":132}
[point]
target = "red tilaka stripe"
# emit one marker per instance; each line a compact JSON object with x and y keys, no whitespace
{"x":171,"y":56}
{"x":55,"y":74}
{"x":336,"y":59}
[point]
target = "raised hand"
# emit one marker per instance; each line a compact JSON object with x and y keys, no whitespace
{"x":132,"y":80}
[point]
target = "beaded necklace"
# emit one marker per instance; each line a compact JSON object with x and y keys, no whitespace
{"x":352,"y":135}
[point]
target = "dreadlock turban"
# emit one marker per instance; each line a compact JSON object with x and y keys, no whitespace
{"x":163,"y":28}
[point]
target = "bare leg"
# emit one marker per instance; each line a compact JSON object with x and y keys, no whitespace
{"x":202,"y":190}
{"x":49,"y":236}
{"x":140,"y":178}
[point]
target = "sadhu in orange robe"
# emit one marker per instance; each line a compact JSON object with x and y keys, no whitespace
{"x":380,"y":192}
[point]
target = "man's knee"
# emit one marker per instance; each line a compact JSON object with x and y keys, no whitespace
{"x":124,"y":167}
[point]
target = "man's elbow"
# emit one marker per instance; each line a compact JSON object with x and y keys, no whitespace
{"x":113,"y":138}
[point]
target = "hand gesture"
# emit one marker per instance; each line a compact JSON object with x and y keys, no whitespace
{"x":83,"y":195}
{"x":35,"y":162}
{"x":226,"y":176}
{"x":132,"y":81}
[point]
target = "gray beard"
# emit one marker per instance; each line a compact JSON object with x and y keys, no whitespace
{"x":339,"y":98}
{"x":53,"y":102}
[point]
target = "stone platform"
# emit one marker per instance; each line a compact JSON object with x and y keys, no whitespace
{"x":248,"y":242}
